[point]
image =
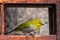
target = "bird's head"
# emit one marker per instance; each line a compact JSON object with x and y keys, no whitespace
{"x":37,"y":22}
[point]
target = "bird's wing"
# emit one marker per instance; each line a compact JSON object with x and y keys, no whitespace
{"x":29,"y":29}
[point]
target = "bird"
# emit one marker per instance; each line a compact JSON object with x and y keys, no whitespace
{"x":28,"y":26}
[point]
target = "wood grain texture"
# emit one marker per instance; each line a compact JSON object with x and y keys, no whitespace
{"x":58,"y":19}
{"x":12,"y":1}
{"x":51,"y":37}
{"x":0,"y":19}
{"x":41,"y":1}
{"x":27,"y":1}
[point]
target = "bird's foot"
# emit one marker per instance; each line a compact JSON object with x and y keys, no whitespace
{"x":32,"y":34}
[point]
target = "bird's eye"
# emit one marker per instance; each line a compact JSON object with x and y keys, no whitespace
{"x":39,"y":22}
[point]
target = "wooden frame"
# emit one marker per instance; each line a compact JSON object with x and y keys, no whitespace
{"x":52,"y":15}
{"x":24,"y":1}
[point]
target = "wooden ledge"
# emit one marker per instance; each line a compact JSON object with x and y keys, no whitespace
{"x":27,"y":1}
{"x":15,"y":37}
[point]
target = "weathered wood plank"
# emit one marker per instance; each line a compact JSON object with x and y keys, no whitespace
{"x":51,"y":37}
{"x":2,"y":18}
{"x":13,"y":1}
{"x":27,"y":1}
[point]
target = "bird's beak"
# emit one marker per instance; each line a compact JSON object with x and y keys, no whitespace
{"x":41,"y":23}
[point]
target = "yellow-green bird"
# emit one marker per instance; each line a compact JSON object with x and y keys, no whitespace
{"x":28,"y":26}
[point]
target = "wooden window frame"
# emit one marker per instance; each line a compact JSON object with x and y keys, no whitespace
{"x":52,"y":15}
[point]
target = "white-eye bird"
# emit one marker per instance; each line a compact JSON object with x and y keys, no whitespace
{"x":28,"y":26}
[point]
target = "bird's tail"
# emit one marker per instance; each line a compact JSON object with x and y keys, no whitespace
{"x":11,"y":31}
